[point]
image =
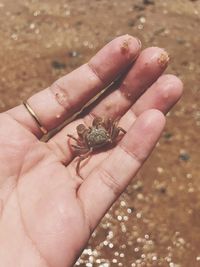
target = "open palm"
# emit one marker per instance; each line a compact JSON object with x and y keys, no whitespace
{"x":47,"y":212}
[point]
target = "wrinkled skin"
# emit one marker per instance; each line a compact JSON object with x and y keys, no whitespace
{"x":46,"y":212}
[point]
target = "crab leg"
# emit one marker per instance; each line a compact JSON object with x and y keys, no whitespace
{"x":74,"y":138}
{"x":113,"y":129}
{"x":107,"y":124}
{"x":79,"y":147}
{"x":116,"y":130}
{"x":81,"y":158}
{"x":122,"y":130}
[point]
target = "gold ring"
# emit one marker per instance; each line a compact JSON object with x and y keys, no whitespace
{"x":35,"y":117}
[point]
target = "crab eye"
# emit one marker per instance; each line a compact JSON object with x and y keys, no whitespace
{"x":80,"y":128}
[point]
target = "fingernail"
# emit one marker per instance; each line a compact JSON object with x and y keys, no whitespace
{"x":163,"y":58}
{"x":131,"y":46}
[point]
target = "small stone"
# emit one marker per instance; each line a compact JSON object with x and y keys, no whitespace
{"x":142,"y":20}
{"x":131,"y":23}
{"x":130,"y":210}
{"x":160,"y":30}
{"x":139,"y":7}
{"x":160,"y":170}
{"x":58,"y":65}
{"x":162,"y":190}
{"x":167,"y":135}
{"x":32,"y":26}
{"x":148,"y":2}
{"x":73,"y":54}
{"x":79,"y":22}
{"x":184,"y":156}
{"x":138,"y":186}
{"x":180,"y":40}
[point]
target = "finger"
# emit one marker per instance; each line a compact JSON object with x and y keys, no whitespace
{"x":69,"y":93}
{"x":147,"y":69}
{"x":162,"y":95}
{"x":108,"y":181}
{"x":144,"y":72}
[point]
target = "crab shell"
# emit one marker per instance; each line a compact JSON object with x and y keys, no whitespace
{"x":97,"y":137}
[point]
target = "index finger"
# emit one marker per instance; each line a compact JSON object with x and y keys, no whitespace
{"x":70,"y":93}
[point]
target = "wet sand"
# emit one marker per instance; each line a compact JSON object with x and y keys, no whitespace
{"x":156,"y":222}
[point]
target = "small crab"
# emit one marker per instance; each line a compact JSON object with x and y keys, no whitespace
{"x":101,"y":133}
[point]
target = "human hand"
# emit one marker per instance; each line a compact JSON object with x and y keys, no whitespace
{"x":47,"y":212}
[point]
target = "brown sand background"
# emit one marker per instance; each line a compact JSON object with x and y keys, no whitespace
{"x":156,"y":222}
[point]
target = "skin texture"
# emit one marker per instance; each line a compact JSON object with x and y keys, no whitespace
{"x":46,"y":212}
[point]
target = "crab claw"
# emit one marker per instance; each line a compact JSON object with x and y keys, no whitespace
{"x":81,"y":129}
{"x":97,"y":121}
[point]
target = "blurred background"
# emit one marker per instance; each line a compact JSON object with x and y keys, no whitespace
{"x":156,"y":222}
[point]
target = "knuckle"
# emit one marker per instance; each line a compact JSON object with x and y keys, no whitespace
{"x":61,"y":95}
{"x":95,"y":72}
{"x":135,"y":156}
{"x":57,"y":149}
{"x":110,"y":181}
